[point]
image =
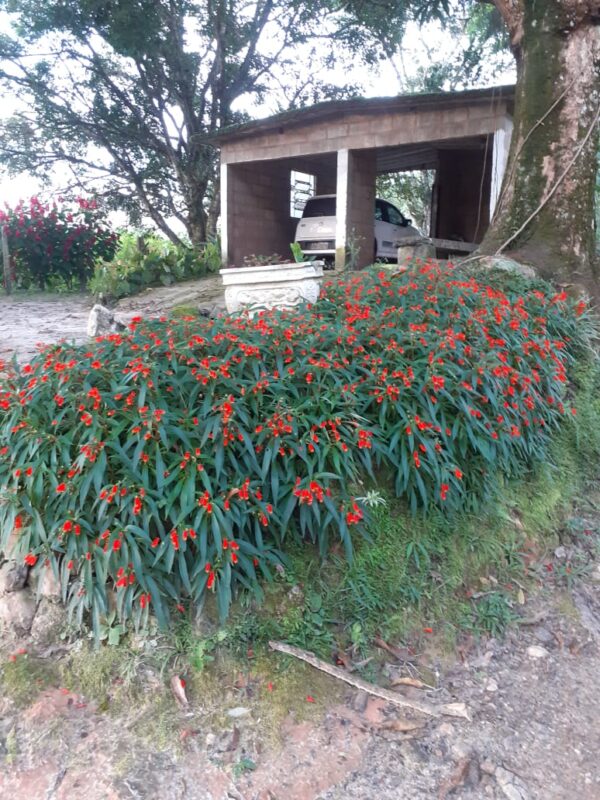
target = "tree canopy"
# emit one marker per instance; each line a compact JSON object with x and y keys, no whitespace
{"x":121,"y":94}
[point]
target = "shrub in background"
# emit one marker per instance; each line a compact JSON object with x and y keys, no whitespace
{"x":179,"y":458}
{"x":56,"y":241}
{"x":147,"y":259}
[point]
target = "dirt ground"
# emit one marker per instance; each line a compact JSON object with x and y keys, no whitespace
{"x":29,"y":319}
{"x":533,"y":731}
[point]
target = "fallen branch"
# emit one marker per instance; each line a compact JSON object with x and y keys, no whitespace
{"x":449,"y":710}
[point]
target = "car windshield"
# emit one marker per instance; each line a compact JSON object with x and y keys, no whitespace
{"x":320,"y":207}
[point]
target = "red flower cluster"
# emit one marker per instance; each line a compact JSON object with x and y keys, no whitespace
{"x":177,"y":457}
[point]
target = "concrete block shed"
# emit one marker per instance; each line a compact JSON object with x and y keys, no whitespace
{"x":463,"y":136}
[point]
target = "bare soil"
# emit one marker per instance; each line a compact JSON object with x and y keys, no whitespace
{"x":533,"y":732}
{"x":27,"y":320}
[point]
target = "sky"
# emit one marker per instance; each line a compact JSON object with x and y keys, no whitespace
{"x":386,"y":80}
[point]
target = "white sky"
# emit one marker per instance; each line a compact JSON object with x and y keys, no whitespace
{"x":387,"y":80}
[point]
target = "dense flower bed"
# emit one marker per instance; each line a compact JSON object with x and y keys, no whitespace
{"x":175,"y":459}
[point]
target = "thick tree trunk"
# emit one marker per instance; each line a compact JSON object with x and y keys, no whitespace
{"x":545,"y":216}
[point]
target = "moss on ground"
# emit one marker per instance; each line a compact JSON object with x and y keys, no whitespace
{"x":23,"y":678}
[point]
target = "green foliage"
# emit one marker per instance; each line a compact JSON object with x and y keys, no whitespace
{"x":49,"y":242}
{"x":150,"y":260}
{"x":411,"y":192}
{"x":184,"y":457}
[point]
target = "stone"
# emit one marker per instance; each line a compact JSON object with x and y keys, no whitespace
{"x":237,"y":712}
{"x":271,"y":286}
{"x":359,"y":701}
{"x":17,"y":611}
{"x":415,"y":247}
{"x":44,"y":582}
{"x":102,"y":322}
{"x":537,"y":651}
{"x":13,"y":576}
{"x":491,"y":685}
{"x":507,"y":265}
{"x":49,"y":621}
{"x":511,"y":785}
{"x":446,"y":729}
{"x":543,"y":635}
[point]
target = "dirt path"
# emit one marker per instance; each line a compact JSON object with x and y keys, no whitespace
{"x":533,"y":734}
{"x":27,"y":320}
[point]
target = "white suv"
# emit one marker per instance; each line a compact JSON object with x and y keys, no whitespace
{"x":315,"y":232}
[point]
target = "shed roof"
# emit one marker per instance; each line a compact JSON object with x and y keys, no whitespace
{"x":364,"y":105}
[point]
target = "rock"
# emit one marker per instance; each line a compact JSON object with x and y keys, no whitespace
{"x":237,"y":712}
{"x":488,"y":766}
{"x":415,"y":247}
{"x":13,"y":576}
{"x":473,"y":776}
{"x":49,"y":621}
{"x":102,"y":321}
{"x":446,"y":729}
{"x":17,"y":611}
{"x":44,"y":582}
{"x":560,"y":552}
{"x":491,"y":686}
{"x":359,"y":701}
{"x":537,"y":651}
{"x":511,"y":785}
{"x":213,"y":310}
{"x":507,"y":265}
{"x":543,"y":635}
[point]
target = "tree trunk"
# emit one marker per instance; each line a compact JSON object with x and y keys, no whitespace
{"x":196,"y":223}
{"x":545,"y":215}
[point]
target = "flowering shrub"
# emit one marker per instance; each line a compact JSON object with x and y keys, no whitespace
{"x":47,"y":241}
{"x":176,"y":458}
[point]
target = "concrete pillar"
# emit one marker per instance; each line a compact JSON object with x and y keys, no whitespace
{"x":255,"y":210}
{"x":355,"y":212}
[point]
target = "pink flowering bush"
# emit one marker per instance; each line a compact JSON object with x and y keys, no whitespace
{"x":178,"y":458}
{"x":56,"y":240}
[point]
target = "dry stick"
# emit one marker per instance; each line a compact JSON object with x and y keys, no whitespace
{"x":450,"y":710}
{"x":554,"y":188}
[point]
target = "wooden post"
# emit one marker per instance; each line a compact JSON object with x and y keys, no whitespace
{"x":6,"y":262}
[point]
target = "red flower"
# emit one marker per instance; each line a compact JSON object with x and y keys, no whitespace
{"x":30,"y":559}
{"x":61,"y":488}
